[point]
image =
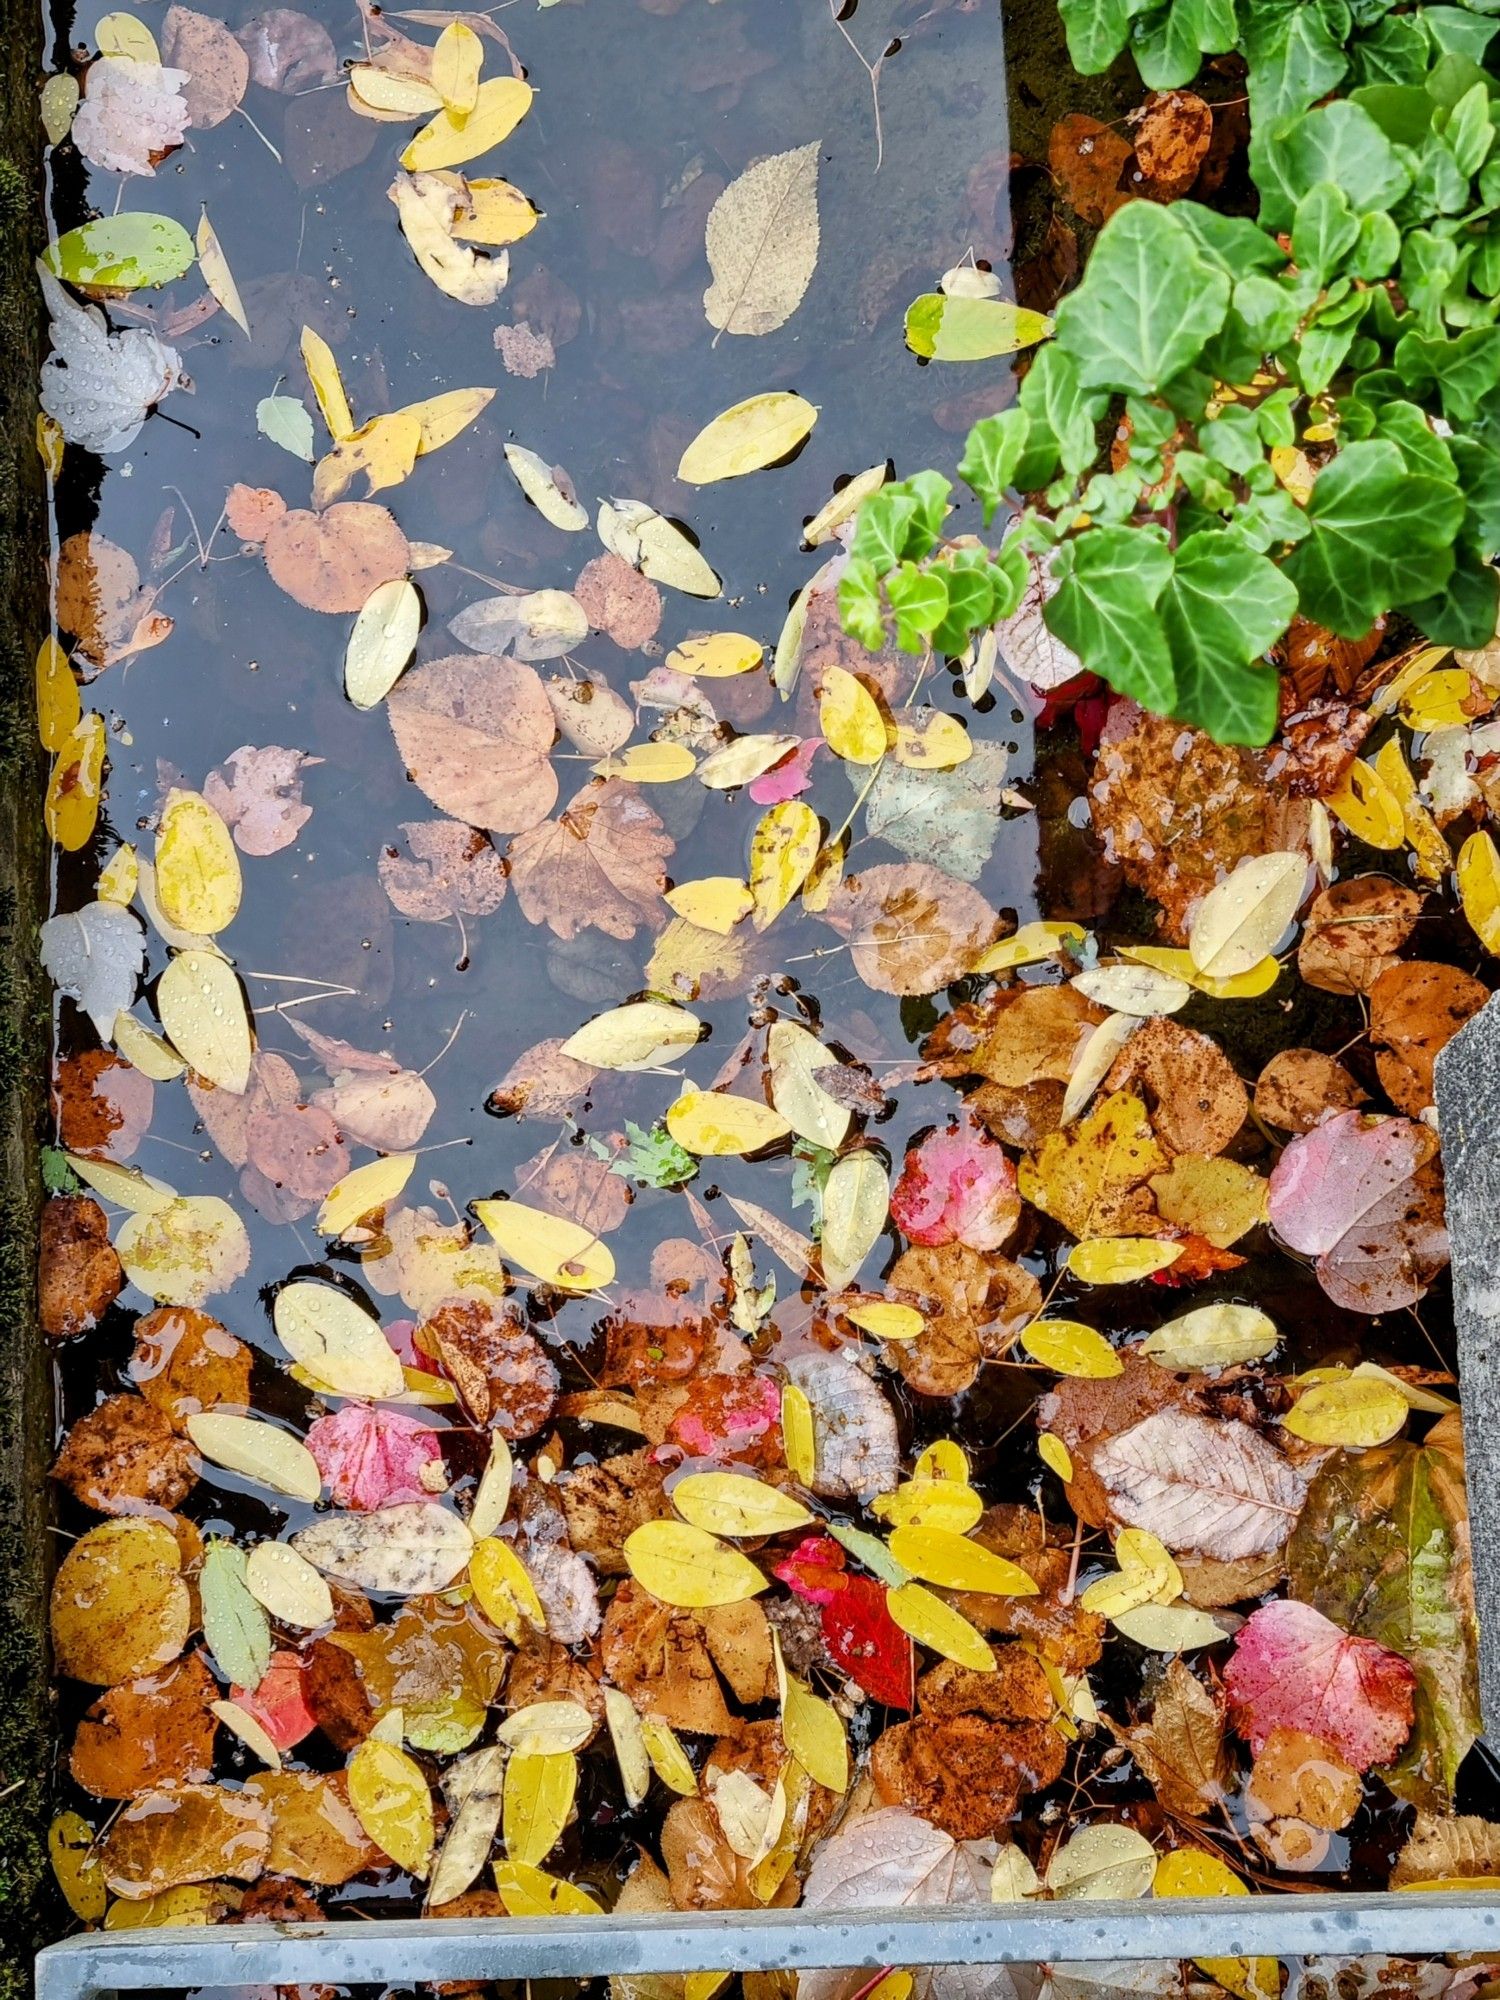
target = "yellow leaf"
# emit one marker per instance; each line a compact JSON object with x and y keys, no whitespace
{"x":850,"y":718}
{"x":648,"y":764}
{"x":717,"y":656}
{"x":639,"y":1036}
{"x":198,"y":880}
{"x":1365,"y":803}
{"x":1212,"y":1337}
{"x":426,"y":208}
{"x":126,"y":1187}
{"x":1120,"y":1260}
{"x":856,"y":1203}
{"x":496,"y":214}
{"x":546,"y":486}
{"x":1358,"y":1411}
{"x":1148,"y":1575}
{"x":538,"y":1800}
{"x":746,"y":437}
{"x":1087,"y":1175}
{"x":1169,"y":1628}
{"x":395,"y":97}
{"x":50,"y":443}
{"x":844,"y":505}
{"x":527,"y":1892}
{"x":71,"y":1845}
{"x":185,"y":1252}
{"x":825,"y":875}
{"x":1219,"y":1200}
{"x":668,"y":1758}
{"x":939,"y":1556}
{"x":1179,"y":964}
{"x":203,"y":1011}
{"x":336,"y":1339}
{"x":120,"y":877}
{"x":931,"y":1622}
{"x":499,"y":107}
{"x":684,"y":1566}
{"x":191,"y":1904}
{"x":1189,"y":1871}
{"x":59,"y":707}
{"x":1479,"y":887}
{"x":1055,"y":1454}
{"x":731,"y":1503}
{"x":327,"y":384}
{"x":148,"y":1053}
{"x":392,"y":1803}
{"x":1440,"y":700}
{"x":456,"y":62}
{"x":551,"y":1248}
{"x":886,"y":1320}
{"x":385,"y":450}
{"x":127,"y":37}
{"x":288,"y":1586}
{"x":1242,"y":917}
{"x":715,"y":903}
{"x":1069,"y":1347}
{"x":1294,"y":470}
{"x":507,"y":1596}
{"x":797,"y":1434}
{"x":704,"y":1985}
{"x":710,"y":1122}
{"x":1423,"y":834}
{"x":257,"y":1449}
{"x":629,"y":1741}
{"x":74,"y":789}
{"x":1030,"y":945}
{"x":383,"y":640}
{"x":930,"y":1503}
{"x":783,"y":848}
{"x":939,"y":743}
{"x":217,"y":275}
{"x":372,"y":1186}
{"x":814,"y":1734}
{"x":1105,"y":1862}
{"x":545,"y":1728}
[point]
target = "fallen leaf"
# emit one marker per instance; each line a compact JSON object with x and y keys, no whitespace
{"x":96,"y":955}
{"x":762,"y":243}
{"x":258,"y":795}
{"x":1093,"y":162}
{"x":120,"y":1607}
{"x":475,"y":732}
{"x":600,"y":863}
{"x":1293,"y":1668}
{"x":374,"y":1458}
{"x":453,"y":870}
{"x":747,"y":436}
{"x":1416,"y":1008}
{"x":911,"y":928}
{"x":333,"y":561}
{"x":80,"y":1274}
{"x":123,"y":1457}
{"x":132,"y":113}
{"x":147,"y":1732}
{"x":449,"y":140}
{"x":1181,"y":1747}
{"x":185,"y":1833}
{"x":619,"y":601}
{"x":408,"y":1549}
{"x":1218,"y":1488}
{"x":1299,"y":1088}
{"x":1244,"y":916}
{"x":854,"y":1428}
{"x":1353,"y":932}
{"x":218,"y":67}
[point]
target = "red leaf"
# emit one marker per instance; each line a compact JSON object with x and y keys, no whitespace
{"x":279,"y":1704}
{"x":864,"y":1639}
{"x":814,"y":1569}
{"x":373,"y":1458}
{"x":1294,"y":1669}
{"x":957,"y":1186}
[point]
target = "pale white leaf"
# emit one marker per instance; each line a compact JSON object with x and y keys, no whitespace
{"x":1216,"y":1488}
{"x":95,"y":955}
{"x":99,"y":387}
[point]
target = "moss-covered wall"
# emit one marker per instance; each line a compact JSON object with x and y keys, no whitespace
{"x":25,"y":1419}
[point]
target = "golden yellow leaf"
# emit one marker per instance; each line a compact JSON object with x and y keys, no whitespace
{"x":931,"y":1622}
{"x":939,"y":1556}
{"x":71,"y":1845}
{"x":938,"y":743}
{"x":120,"y":1607}
{"x":59,"y":706}
{"x":203,"y":1011}
{"x":717,"y":656}
{"x":930,"y":1503}
{"x":731,"y":1503}
{"x":648,"y":764}
{"x":1260,"y":978}
{"x":191,"y":1905}
{"x":1479,"y":887}
{"x":715,"y":903}
{"x":551,"y":1248}
{"x":392,"y":1803}
{"x":1365,"y":803}
{"x":713,"y":1122}
{"x":1090,"y":1175}
{"x":120,"y":877}
{"x":797,"y":1434}
{"x":814,"y":1734}
{"x":184,"y":1252}
{"x":1030,"y":945}
{"x":327,"y":385}
{"x":783,"y":849}
{"x":538,"y":1800}
{"x":1069,"y":1347}
{"x":746,"y":437}
{"x":850,"y":718}
{"x":685,"y":1566}
{"x":1217,"y":1199}
{"x":668,"y":1758}
{"x":886,"y":1319}
{"x":395,"y":96}
{"x":1443,"y":699}
{"x":1169,"y":1628}
{"x":146,"y":1051}
{"x":1189,"y":1871}
{"x":456,"y":62}
{"x":528,"y":1892}
{"x":75,"y":787}
{"x":1358,"y":1410}
{"x":499,"y":106}
{"x":198,"y":880}
{"x":629,"y":1742}
{"x":369,"y":1187}
{"x":1423,"y":834}
{"x":496,"y":214}
{"x":1055,"y":1454}
{"x":1120,"y":1260}
{"x":1242,"y":917}
{"x":507,"y":1596}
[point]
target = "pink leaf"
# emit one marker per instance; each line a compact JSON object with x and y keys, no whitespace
{"x":1365,"y":1197}
{"x":279,"y":1704}
{"x":374,"y":1458}
{"x":957,"y":1186}
{"x":1294,"y":1669}
{"x":791,"y":776}
{"x":814,"y":1569}
{"x":726,"y":1416}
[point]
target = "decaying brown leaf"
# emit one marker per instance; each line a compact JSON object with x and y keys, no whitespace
{"x":475,"y":732}
{"x":1353,"y":932}
{"x":1181,"y":1746}
{"x":80,"y":1275}
{"x":600,"y":864}
{"x":125,"y":1458}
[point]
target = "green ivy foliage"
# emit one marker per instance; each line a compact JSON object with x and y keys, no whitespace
{"x":1359,"y":317}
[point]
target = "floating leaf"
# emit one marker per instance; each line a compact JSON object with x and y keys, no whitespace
{"x":451,"y":139}
{"x":259,"y":1450}
{"x":639,"y":1036}
{"x":964,"y":329}
{"x":1355,"y":1411}
{"x":931,"y":1622}
{"x":718,"y":656}
{"x":382,"y":642}
{"x":850,"y":718}
{"x":797,"y":1433}
{"x":730,"y":1503}
{"x":1294,"y":1669}
{"x":198,"y":879}
{"x":373,"y":1186}
{"x":1120,"y":1260}
{"x":288,"y":1586}
{"x":410,"y":1549}
{"x":1071,"y":1348}
{"x":552,"y":1248}
{"x":203,"y":1011}
{"x":538,"y":1802}
{"x":392,"y":1803}
{"x":185,"y":1251}
{"x":954,"y":1563}
{"x":1479,"y":887}
{"x":713,"y":1122}
{"x":122,"y":253}
{"x":746,"y":437}
{"x":762,"y":243}
{"x":1219,"y":1488}
{"x":1365,"y":803}
{"x":1240,"y":920}
{"x":72,"y":1848}
{"x":528,"y":1892}
{"x":683,"y":1565}
{"x":339,"y":1343}
{"x":1212,"y":1337}
{"x":1169,"y":1628}
{"x":235,"y":1625}
{"x":217,"y":275}
{"x":120,"y":1606}
{"x":783,"y":849}
{"x":1102,"y":1863}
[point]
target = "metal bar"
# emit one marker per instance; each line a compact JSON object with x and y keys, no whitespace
{"x":400,"y":1952}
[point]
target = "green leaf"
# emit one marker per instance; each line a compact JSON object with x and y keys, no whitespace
{"x":1454,"y":32}
{"x":1233,"y":438}
{"x":881,"y":527}
{"x":1378,"y":536}
{"x":1464,"y":371}
{"x":653,"y":1157}
{"x":1324,"y":230}
{"x":1062,"y":412}
{"x":919,"y":598}
{"x":1170,"y":42}
{"x":1421,"y":449}
{"x":1232,"y":242}
{"x":929,"y":491}
{"x":1382,"y":1548}
{"x":1097,"y":30}
{"x":1378,"y":248}
{"x":122,"y":253}
{"x":962,"y":329}
{"x":1395,"y":51}
{"x":991,"y":456}
{"x":235,"y":1626}
{"x":1147,"y":303}
{"x":1338,"y":142}
{"x":1293,"y":68}
{"x":285,"y":421}
{"x":1109,"y":580}
{"x":861,"y":612}
{"x":1223,"y":608}
{"x":1404,"y":112}
{"x":57,"y":1176}
{"x":1462,"y":613}
{"x":971,"y":597}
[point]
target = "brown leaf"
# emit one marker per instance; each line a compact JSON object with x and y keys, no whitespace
{"x":1297,"y":1776}
{"x":297,"y":1148}
{"x":1085,"y":1414}
{"x":1353,"y":932}
{"x":576,"y":1184}
{"x":125,"y":1458}
{"x":389,"y":1111}
{"x":1053,"y":1621}
{"x":703,"y":1870}
{"x":253,"y":511}
{"x":609,"y":1500}
{"x":618,"y":601}
{"x":475,"y":732}
{"x":502,"y":1373}
{"x":1181,"y":1748}
{"x":185,"y":1361}
{"x":97,"y":596}
{"x":1173,"y":132}
{"x":439,"y":1663}
{"x":104,"y":1105}
{"x":288,"y":50}
{"x":1318,"y":744}
{"x":1093,"y":164}
{"x":1416,"y":1008}
{"x":600,"y":864}
{"x":80,"y":1276}
{"x":185,"y":1833}
{"x":1316,"y":659}
{"x":273,"y":1087}
{"x":1177,"y":811}
{"x":315,"y":1836}
{"x":1444,"y":1849}
{"x":1196,"y":1100}
{"x":971,"y":1302}
{"x":911,"y":928}
{"x":739,"y":1639}
{"x":147,"y":1733}
{"x":218,"y":68}
{"x":660,"y":1657}
{"x":333,"y":560}
{"x":1299,"y":1088}
{"x":524,"y":351}
{"x":544,"y":1670}
{"x":453,"y":868}
{"x":258,"y":795}
{"x":541,"y":1083}
{"x":336,"y":1695}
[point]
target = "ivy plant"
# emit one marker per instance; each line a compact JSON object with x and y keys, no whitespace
{"x":1238,"y":421}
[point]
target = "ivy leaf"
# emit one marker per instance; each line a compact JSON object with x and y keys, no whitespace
{"x":1169,"y":45}
{"x":1462,"y":613}
{"x":860,"y":610}
{"x":1339,"y":142}
{"x":1109,"y":581}
{"x":57,"y":1176}
{"x":1222,"y":608}
{"x":1464,"y":371}
{"x":881,"y":528}
{"x":1097,"y":31}
{"x":1063,"y":419}
{"x":1324,"y":231}
{"x":993,"y":451}
{"x":1147,"y":304}
{"x":1300,"y":60}
{"x":1378,"y":535}
{"x":654,"y":1157}
{"x":919,"y":598}
{"x":971,"y":599}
